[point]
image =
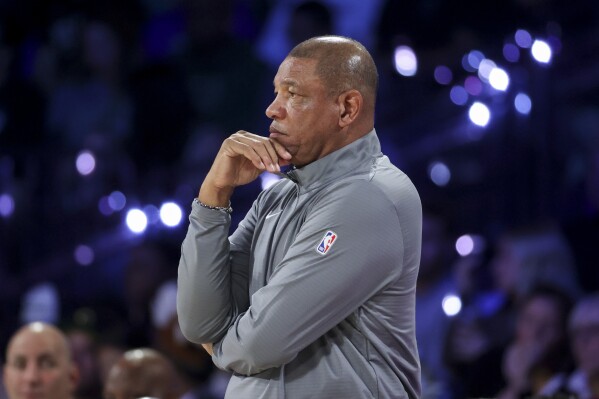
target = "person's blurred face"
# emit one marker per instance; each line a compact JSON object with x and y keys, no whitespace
{"x":138,"y":379}
{"x":305,"y":115}
{"x":505,"y":267}
{"x":585,"y":340}
{"x":38,"y":367}
{"x":539,"y":322}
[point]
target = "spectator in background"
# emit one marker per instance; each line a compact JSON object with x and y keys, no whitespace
{"x":435,"y":282}
{"x":39,"y":364}
{"x":143,"y":372}
{"x":537,"y":360}
{"x":584,"y":329}
{"x":309,"y":19}
{"x":84,"y":348}
{"x":479,"y":335}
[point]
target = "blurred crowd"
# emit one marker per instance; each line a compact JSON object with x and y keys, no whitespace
{"x":152,"y":87}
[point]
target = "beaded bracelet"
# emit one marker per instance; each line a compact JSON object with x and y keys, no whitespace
{"x":227,"y":209}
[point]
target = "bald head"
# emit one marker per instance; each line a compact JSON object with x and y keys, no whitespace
{"x":39,"y":364}
{"x":342,"y":64}
{"x":142,"y":372}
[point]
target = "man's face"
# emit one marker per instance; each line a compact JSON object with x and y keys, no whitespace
{"x":305,"y":115}
{"x":126,"y":381}
{"x":37,"y":367}
{"x":585,"y":339}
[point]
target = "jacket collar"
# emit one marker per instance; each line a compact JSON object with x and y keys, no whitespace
{"x":356,"y":156}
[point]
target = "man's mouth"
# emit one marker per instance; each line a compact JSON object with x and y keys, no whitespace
{"x":274,"y":133}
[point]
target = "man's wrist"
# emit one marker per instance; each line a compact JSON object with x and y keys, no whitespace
{"x":227,"y":209}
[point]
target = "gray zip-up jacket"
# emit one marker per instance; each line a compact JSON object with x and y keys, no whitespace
{"x":313,"y":294}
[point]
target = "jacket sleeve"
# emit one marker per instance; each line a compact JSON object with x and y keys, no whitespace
{"x":309,"y":292}
{"x":212,"y":283}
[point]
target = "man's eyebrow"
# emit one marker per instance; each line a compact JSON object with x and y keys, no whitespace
{"x":287,"y":82}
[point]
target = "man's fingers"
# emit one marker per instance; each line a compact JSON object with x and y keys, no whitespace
{"x":236,"y":146}
{"x":263,"y":153}
{"x":281,"y":151}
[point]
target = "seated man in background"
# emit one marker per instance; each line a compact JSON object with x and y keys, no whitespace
{"x":584,"y":330}
{"x":39,"y":364}
{"x":140,"y":373}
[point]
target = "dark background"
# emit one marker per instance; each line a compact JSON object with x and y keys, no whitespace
{"x":153,"y":87}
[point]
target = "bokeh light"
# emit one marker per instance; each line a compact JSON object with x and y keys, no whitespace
{"x":499,"y":79}
{"x":85,"y":163}
{"x":523,"y":38}
{"x":439,"y":173}
{"x":484,"y":69}
{"x":523,"y":103}
{"x":443,"y":75}
{"x":7,"y":205}
{"x":452,"y":305}
{"x":267,"y":179}
{"x":406,"y":63}
{"x":117,"y":201}
{"x":479,"y":114}
{"x":458,"y":95}
{"x":473,"y":85}
{"x":136,"y":221}
{"x":511,"y":52}
{"x":474,"y":58}
{"x":84,"y":255}
{"x":541,"y":51}
{"x":171,"y":214}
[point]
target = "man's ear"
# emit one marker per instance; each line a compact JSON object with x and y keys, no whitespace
{"x":74,"y":376}
{"x":350,"y":106}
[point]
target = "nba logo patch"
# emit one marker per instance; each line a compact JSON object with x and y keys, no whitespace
{"x":326,"y":243}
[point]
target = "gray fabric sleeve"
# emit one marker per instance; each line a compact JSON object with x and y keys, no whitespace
{"x":212,"y":283}
{"x":310,"y":293}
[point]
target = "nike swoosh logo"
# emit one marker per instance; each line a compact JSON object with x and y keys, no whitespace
{"x":272,"y":214}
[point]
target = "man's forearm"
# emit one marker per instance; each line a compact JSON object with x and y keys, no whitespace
{"x":204,"y":282}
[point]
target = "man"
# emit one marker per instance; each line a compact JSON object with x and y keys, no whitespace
{"x":584,"y":332}
{"x":313,"y":295}
{"x":39,"y":364}
{"x":140,"y":373}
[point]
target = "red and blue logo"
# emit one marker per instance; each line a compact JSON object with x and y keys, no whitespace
{"x":327,"y":242}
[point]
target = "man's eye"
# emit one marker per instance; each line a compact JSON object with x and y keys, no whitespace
{"x":47,"y":363}
{"x":19,"y":364}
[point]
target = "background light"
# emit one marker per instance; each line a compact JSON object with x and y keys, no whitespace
{"x":452,"y":304}
{"x":136,"y":221}
{"x":7,"y":205}
{"x":84,"y":255}
{"x":439,"y":173}
{"x":464,"y":245}
{"x":485,"y":67}
{"x":511,"y":52}
{"x":405,"y":60}
{"x":458,"y":95}
{"x":523,"y":38}
{"x":171,"y":214}
{"x":473,"y":85}
{"x":522,"y":103}
{"x":474,"y":58}
{"x":267,"y":179}
{"x":443,"y":75}
{"x":85,"y":163}
{"x":541,"y":51}
{"x":479,"y":114}
{"x":499,"y":79}
{"x":117,"y":201}
{"x":152,"y":213}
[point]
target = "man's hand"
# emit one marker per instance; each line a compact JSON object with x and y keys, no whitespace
{"x":240,"y":160}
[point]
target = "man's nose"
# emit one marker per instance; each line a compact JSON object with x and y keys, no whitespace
{"x":274,"y":110}
{"x":32,"y":373}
